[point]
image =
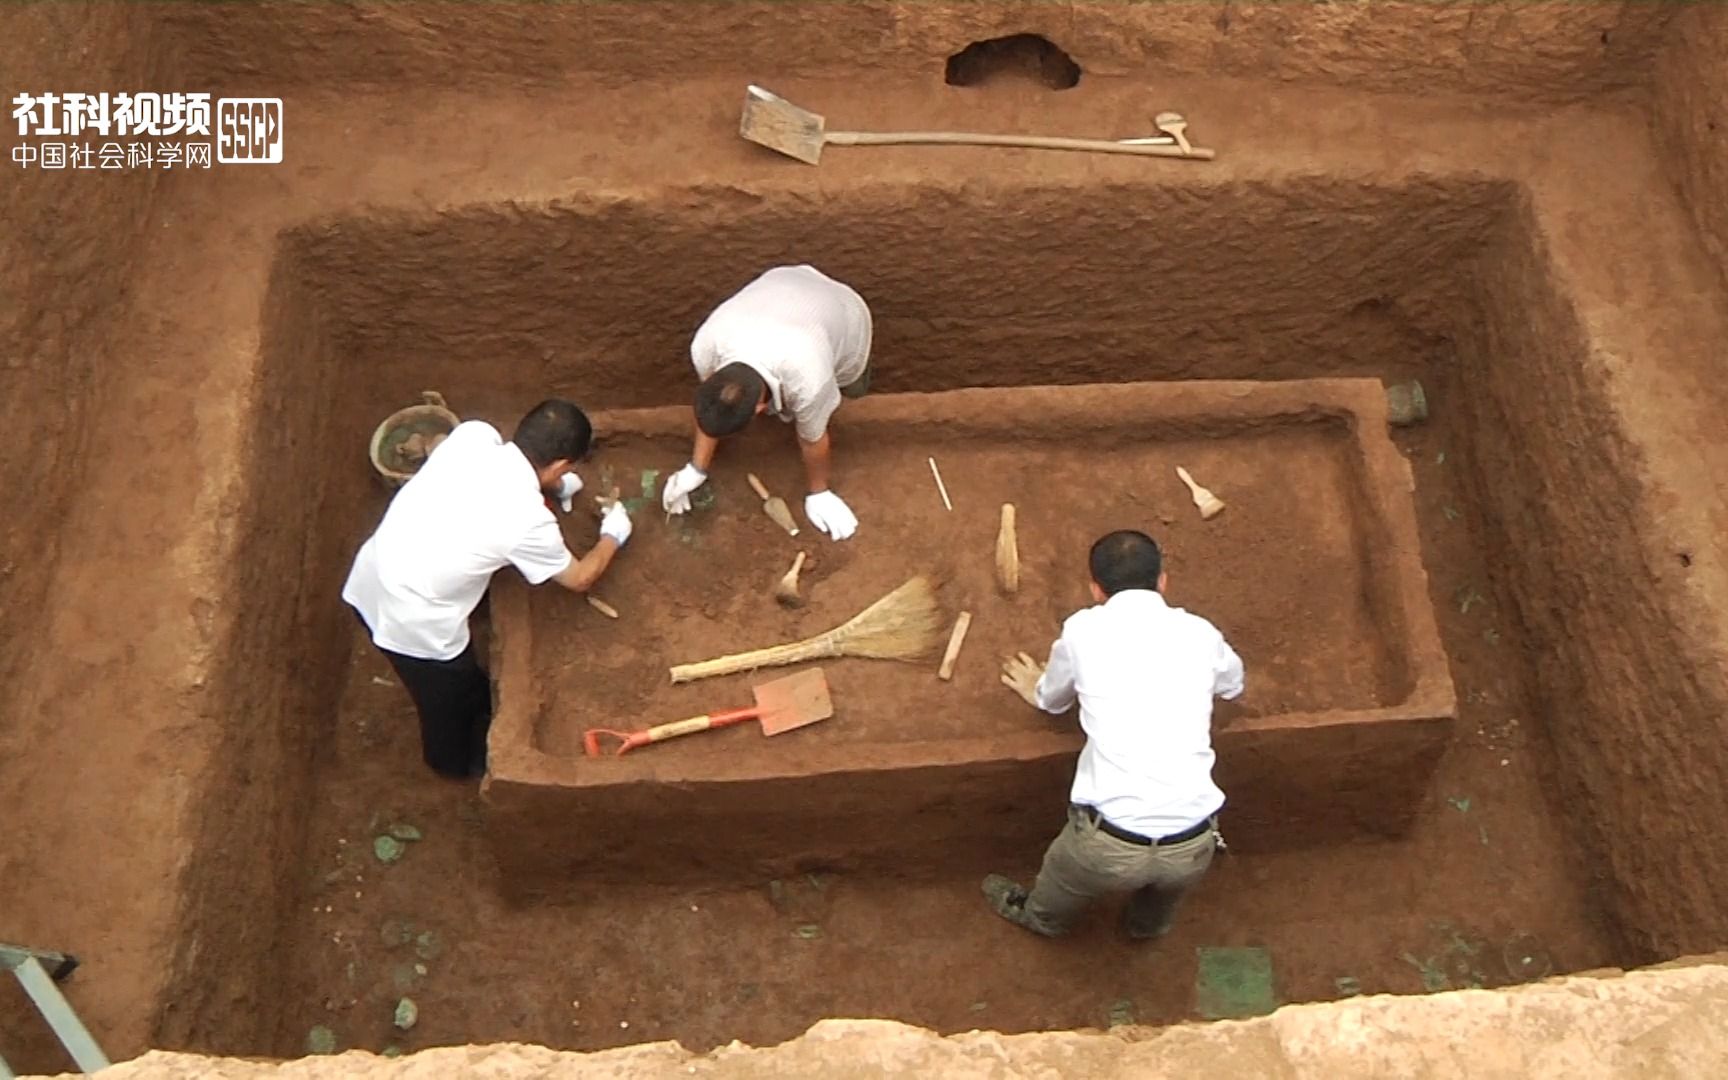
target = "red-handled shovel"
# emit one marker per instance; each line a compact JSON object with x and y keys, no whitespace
{"x":782,"y":705}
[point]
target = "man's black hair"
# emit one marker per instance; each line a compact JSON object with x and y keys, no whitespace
{"x":554,"y":429}
{"x":1126,"y":559}
{"x":726,"y":401}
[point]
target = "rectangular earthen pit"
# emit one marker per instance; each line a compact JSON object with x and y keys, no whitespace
{"x":1314,"y":572}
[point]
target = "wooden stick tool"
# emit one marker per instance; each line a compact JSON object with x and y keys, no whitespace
{"x":955,"y":641}
{"x":1007,"y":554}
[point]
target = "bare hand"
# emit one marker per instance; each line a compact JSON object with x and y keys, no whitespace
{"x":1021,"y":674}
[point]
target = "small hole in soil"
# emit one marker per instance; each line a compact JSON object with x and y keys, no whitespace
{"x":1685,"y":558}
{"x":1604,"y":37}
{"x":1019,"y":56}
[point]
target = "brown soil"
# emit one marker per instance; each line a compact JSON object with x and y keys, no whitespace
{"x":700,"y":587}
{"x":192,"y":364}
{"x":1483,"y":864}
{"x":1313,"y":757}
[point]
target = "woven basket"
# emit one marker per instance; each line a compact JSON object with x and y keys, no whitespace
{"x":430,"y":419}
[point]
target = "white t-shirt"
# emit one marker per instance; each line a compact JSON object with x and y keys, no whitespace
{"x":1145,"y":674}
{"x":806,"y":334}
{"x":473,"y":507}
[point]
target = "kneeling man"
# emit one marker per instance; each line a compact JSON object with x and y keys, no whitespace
{"x":1141,"y":816}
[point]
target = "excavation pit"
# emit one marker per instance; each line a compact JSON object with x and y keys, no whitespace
{"x":1346,"y":715}
{"x":510,"y":201}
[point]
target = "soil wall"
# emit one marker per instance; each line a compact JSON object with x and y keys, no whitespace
{"x":273,"y":702}
{"x":1538,"y":51}
{"x":70,"y":242}
{"x":1632,"y":701}
{"x":1691,"y":118}
{"x":1041,"y":286}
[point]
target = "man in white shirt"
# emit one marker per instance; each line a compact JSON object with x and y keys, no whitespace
{"x":1141,"y":816}
{"x":477,"y":504}
{"x":793,"y":342}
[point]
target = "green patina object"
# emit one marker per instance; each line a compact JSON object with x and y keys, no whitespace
{"x":1234,"y":983}
{"x":388,"y":848}
{"x":427,"y":946}
{"x":407,"y":1013}
{"x":320,"y":1040}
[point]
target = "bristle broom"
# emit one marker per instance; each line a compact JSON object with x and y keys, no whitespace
{"x":905,"y":625}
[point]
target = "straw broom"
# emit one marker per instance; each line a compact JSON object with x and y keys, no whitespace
{"x":907,"y":624}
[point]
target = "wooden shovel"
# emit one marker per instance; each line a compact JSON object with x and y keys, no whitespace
{"x":782,"y":705}
{"x":772,"y":121}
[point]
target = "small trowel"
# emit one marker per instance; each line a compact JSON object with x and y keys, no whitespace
{"x":773,"y":505}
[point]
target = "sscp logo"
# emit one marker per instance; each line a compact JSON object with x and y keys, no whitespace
{"x":249,"y":131}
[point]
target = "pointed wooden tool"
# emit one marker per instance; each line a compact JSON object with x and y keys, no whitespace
{"x":1210,"y":505}
{"x":956,"y":639}
{"x":1007,"y":553}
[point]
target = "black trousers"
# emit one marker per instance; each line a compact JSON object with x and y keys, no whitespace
{"x":454,"y":700}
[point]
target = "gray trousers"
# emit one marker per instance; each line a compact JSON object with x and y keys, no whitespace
{"x":1084,"y":863}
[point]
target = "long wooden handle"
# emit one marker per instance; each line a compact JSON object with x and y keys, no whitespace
{"x":1036,"y":142}
{"x":756,"y":485}
{"x":821,"y":647}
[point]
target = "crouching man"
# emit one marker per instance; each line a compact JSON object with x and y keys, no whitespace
{"x":477,"y":504}
{"x":793,"y":342}
{"x":1141,"y":815}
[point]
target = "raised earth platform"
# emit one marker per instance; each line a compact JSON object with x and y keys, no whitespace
{"x":1314,"y":573}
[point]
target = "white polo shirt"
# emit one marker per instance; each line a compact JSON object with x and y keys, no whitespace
{"x":474,"y":507}
{"x":1145,"y":674}
{"x":806,"y":334}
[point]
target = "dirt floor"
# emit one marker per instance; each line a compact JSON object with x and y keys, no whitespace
{"x":1483,"y":867}
{"x":699,"y":587}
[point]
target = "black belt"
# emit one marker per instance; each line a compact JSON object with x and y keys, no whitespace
{"x":1104,"y":826}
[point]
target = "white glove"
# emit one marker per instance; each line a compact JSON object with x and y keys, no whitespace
{"x":616,"y":524}
{"x":568,"y":485}
{"x":675,"y":499}
{"x":828,"y":513}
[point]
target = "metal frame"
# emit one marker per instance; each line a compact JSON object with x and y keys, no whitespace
{"x":37,"y":971}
